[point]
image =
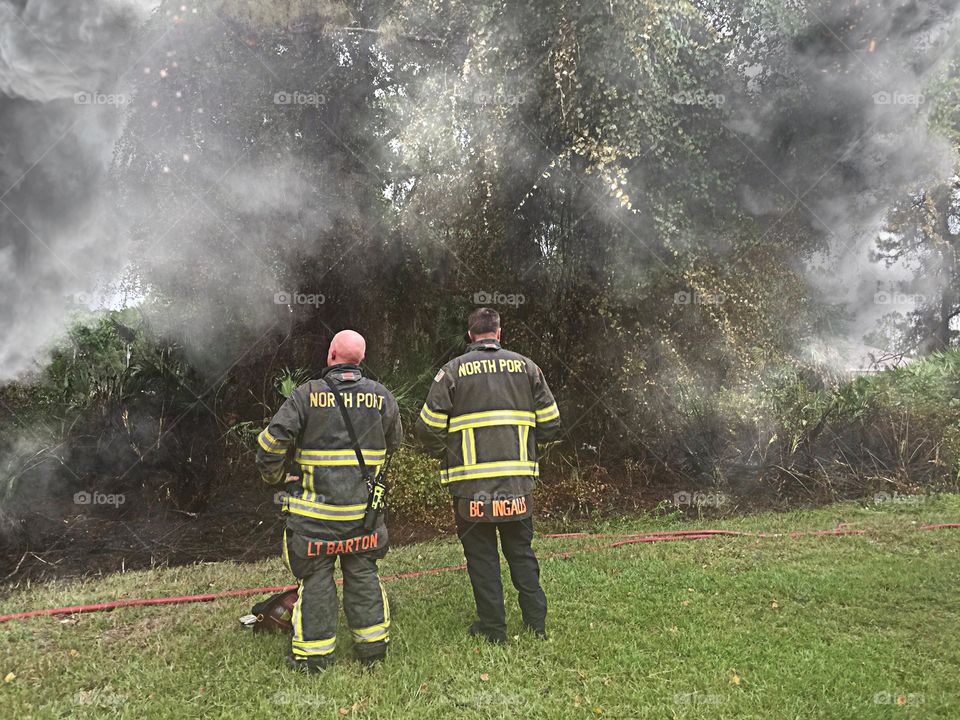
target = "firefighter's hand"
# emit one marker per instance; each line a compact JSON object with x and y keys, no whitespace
{"x":291,"y":479}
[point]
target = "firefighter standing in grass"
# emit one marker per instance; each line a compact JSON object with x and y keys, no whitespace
{"x":326,"y":508}
{"x":486,"y":412}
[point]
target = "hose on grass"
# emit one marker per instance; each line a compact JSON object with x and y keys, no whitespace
{"x":618,"y":541}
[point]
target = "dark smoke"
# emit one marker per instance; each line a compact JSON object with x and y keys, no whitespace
{"x":837,"y":126}
{"x":811,"y":119}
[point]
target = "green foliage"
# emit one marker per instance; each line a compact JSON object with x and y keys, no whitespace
{"x":289,"y":380}
{"x":415,"y":493}
{"x":107,"y":361}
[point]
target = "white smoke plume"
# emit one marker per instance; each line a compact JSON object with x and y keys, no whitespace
{"x":62,"y":70}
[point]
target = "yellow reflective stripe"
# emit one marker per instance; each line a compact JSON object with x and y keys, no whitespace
{"x":374,"y":633}
{"x":523,"y":432}
{"x":306,"y":644}
{"x":271,"y":444}
{"x":297,"y":615}
{"x":338,"y":458}
{"x":433,"y":419}
{"x":386,"y":604}
{"x":380,"y":631}
{"x":321,"y":511}
{"x":367,"y":452}
{"x":302,"y":512}
{"x":548,"y":413}
{"x":312,"y":653}
{"x":490,"y":418}
{"x":316,"y":505}
{"x":306,"y":648}
{"x":468,"y":447}
{"x":480,"y":471}
{"x":308,"y":479}
{"x":286,"y":551}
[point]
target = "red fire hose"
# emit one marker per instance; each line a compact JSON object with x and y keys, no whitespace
{"x":628,"y":539}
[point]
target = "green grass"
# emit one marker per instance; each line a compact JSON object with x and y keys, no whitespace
{"x":721,"y":628}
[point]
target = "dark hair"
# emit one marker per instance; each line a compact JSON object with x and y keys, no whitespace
{"x":483,"y":321}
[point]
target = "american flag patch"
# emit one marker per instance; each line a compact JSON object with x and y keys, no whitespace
{"x":439,"y":376}
{"x":349,"y":375}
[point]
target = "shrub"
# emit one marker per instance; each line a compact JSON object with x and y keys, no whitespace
{"x":416,"y":495}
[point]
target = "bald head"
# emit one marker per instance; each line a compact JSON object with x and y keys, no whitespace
{"x":347,"y":347}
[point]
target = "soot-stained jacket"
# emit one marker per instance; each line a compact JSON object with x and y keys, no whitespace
{"x":331,"y":499}
{"x":485,"y":412}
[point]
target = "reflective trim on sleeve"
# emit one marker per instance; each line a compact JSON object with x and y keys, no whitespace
{"x":269,"y":443}
{"x":551,"y":412}
{"x":434,"y":419}
{"x":490,"y":418}
{"x":507,"y":468}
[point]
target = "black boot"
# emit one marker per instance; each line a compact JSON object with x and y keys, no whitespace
{"x":313,"y":665}
{"x":477,"y":630}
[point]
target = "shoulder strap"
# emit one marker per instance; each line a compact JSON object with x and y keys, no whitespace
{"x":350,"y":430}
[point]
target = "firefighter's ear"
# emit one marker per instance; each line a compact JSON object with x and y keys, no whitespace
{"x":499,"y":330}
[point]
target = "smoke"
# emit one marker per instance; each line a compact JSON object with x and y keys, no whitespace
{"x":827,"y":105}
{"x":60,"y":114}
{"x":837,"y":123}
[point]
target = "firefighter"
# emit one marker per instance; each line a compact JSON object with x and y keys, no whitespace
{"x":325,"y":507}
{"x":485,"y":414}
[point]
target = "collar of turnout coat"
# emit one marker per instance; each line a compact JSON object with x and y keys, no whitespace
{"x":485,"y":344}
{"x":343,"y":372}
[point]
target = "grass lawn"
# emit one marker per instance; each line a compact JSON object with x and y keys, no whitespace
{"x":830,"y":627}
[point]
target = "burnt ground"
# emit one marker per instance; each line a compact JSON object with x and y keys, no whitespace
{"x":242,"y":523}
{"x":70,"y":541}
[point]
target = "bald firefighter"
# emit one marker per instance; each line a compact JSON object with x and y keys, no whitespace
{"x":485,"y":414}
{"x":326,"y":509}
